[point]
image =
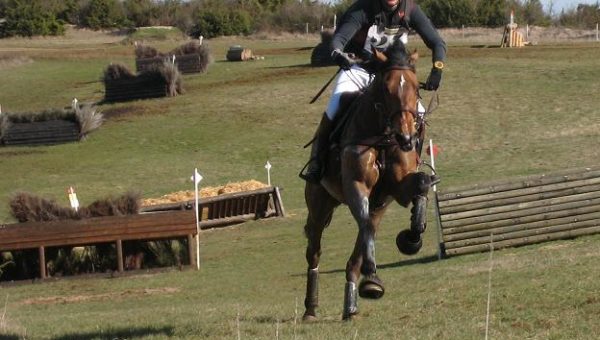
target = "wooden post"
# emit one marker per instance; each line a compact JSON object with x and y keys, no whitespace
{"x":278,"y":204}
{"x":190,"y":241}
{"x":42,"y":262}
{"x":120,"y":256}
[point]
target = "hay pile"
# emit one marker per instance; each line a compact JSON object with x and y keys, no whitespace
{"x":192,"y":48}
{"x":117,"y":72}
{"x":123,"y":84}
{"x":188,"y":195}
{"x":26,"y":207}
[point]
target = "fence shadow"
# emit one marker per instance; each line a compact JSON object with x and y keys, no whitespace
{"x":123,"y":333}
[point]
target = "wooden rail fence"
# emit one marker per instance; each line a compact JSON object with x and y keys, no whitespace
{"x":140,"y":87}
{"x":518,"y":212}
{"x":228,"y":209}
{"x":168,"y":221}
{"x":44,"y":132}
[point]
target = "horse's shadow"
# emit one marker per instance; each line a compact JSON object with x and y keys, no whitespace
{"x":121,"y":333}
{"x":408,"y":262}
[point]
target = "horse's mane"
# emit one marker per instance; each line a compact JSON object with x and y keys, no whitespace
{"x":397,"y":54}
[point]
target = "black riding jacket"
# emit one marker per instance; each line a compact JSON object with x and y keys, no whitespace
{"x":351,"y":32}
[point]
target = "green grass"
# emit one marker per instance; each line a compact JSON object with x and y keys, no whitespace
{"x":503,"y":113}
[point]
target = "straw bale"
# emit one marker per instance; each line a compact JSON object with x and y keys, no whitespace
{"x":188,"y":195}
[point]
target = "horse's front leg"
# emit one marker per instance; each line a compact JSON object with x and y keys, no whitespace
{"x":359,"y":175}
{"x":409,"y":241}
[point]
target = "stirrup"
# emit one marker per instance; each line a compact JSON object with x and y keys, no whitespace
{"x":312,"y":176}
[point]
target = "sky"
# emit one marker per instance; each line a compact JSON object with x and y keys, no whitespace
{"x":559,"y":5}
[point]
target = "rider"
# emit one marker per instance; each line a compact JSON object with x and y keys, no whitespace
{"x":370,"y":23}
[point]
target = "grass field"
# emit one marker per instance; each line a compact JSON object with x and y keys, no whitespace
{"x":502,"y":113}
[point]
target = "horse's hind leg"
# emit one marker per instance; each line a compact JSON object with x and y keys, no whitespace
{"x":320,"y":210}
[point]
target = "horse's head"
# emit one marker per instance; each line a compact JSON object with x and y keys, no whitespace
{"x":400,"y":92}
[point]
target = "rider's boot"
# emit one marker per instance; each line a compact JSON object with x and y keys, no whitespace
{"x":318,"y":153}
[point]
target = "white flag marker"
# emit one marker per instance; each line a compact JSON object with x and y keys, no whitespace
{"x":196,"y":178}
{"x":73,"y":198}
{"x":268,"y":167}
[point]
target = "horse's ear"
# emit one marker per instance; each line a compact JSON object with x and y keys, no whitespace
{"x":379,"y":56}
{"x":414,"y":56}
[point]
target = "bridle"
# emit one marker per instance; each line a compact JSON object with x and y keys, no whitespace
{"x":391,"y":132}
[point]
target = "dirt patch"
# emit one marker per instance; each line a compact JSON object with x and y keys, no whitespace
{"x":183,"y":196}
{"x":95,"y":297}
{"x":7,"y":61}
{"x":536,"y":34}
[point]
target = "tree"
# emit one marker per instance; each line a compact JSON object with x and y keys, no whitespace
{"x":98,"y":14}
{"x":491,"y":13}
{"x":533,"y":13}
{"x":450,"y":13}
{"x":141,"y":12}
{"x":29,"y":18}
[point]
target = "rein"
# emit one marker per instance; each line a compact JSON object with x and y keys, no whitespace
{"x":387,"y":138}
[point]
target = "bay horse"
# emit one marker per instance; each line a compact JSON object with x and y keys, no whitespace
{"x":375,"y":162}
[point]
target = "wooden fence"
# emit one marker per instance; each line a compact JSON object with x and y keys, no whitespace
{"x":168,"y":221}
{"x":228,"y":209}
{"x":140,"y":87}
{"x":518,"y":212}
{"x":44,"y":132}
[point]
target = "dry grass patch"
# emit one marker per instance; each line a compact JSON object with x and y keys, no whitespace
{"x":8,"y":61}
{"x":50,"y":300}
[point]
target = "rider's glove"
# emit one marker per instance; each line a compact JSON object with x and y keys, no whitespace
{"x":343,"y":59}
{"x":434,"y":79}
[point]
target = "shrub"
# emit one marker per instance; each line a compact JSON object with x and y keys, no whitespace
{"x":29,"y":18}
{"x":219,"y":21}
{"x":98,"y":14}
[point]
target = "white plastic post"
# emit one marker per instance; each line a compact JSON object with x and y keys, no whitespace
{"x":432,"y":157}
{"x":437,"y":213}
{"x":268,"y":167}
{"x":597,"y":35}
{"x":334,"y":21}
{"x":197,"y":178}
{"x":73,"y":198}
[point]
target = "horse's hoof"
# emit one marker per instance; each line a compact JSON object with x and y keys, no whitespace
{"x":371,"y":287}
{"x":308,"y":318}
{"x":406,"y":243}
{"x":350,"y":317}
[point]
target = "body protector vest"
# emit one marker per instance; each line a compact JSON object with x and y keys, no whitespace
{"x":388,"y":27}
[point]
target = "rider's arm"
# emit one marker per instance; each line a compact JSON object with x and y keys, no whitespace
{"x":352,"y":21}
{"x":423,"y":26}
